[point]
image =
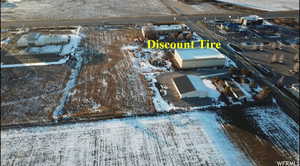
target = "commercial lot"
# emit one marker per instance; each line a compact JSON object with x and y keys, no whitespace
{"x":272,"y":46}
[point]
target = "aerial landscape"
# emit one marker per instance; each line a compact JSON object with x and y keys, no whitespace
{"x":150,"y":82}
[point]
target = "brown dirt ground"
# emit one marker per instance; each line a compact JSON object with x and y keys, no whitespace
{"x":29,"y":94}
{"x":108,"y":80}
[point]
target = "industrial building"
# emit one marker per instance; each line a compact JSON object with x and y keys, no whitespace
{"x":201,"y":57}
{"x":193,"y":86}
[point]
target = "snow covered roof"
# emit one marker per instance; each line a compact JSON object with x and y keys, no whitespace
{"x":51,"y":39}
{"x":37,"y":39}
{"x":173,"y":27}
{"x":189,"y":83}
{"x":167,"y":27}
{"x":200,"y":53}
{"x":51,"y":49}
{"x":27,"y":39}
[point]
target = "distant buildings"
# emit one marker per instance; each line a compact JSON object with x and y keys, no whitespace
{"x":201,"y":57}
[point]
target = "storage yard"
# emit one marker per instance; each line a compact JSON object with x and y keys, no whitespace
{"x":272,"y":45}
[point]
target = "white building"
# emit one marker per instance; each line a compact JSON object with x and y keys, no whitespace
{"x":193,"y":86}
{"x":201,"y":57}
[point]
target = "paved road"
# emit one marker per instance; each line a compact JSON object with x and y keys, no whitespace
{"x":136,"y":20}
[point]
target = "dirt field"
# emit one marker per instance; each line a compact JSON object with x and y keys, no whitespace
{"x":101,"y":83}
{"x":108,"y":84}
{"x":29,"y":94}
{"x":260,"y":133}
{"x":79,"y":9}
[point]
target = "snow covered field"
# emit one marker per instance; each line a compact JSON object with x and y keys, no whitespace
{"x":182,"y":139}
{"x":79,"y":9}
{"x":269,"y":5}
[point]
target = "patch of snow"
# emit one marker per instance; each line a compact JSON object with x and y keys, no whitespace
{"x":212,"y":90}
{"x":130,"y":47}
{"x":72,"y":45}
{"x":5,"y":41}
{"x":230,"y":63}
{"x":22,"y":30}
{"x":104,"y":83}
{"x":69,"y":86}
{"x":59,"y":62}
{"x":96,"y":107}
{"x":247,"y":93}
{"x":159,"y":103}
